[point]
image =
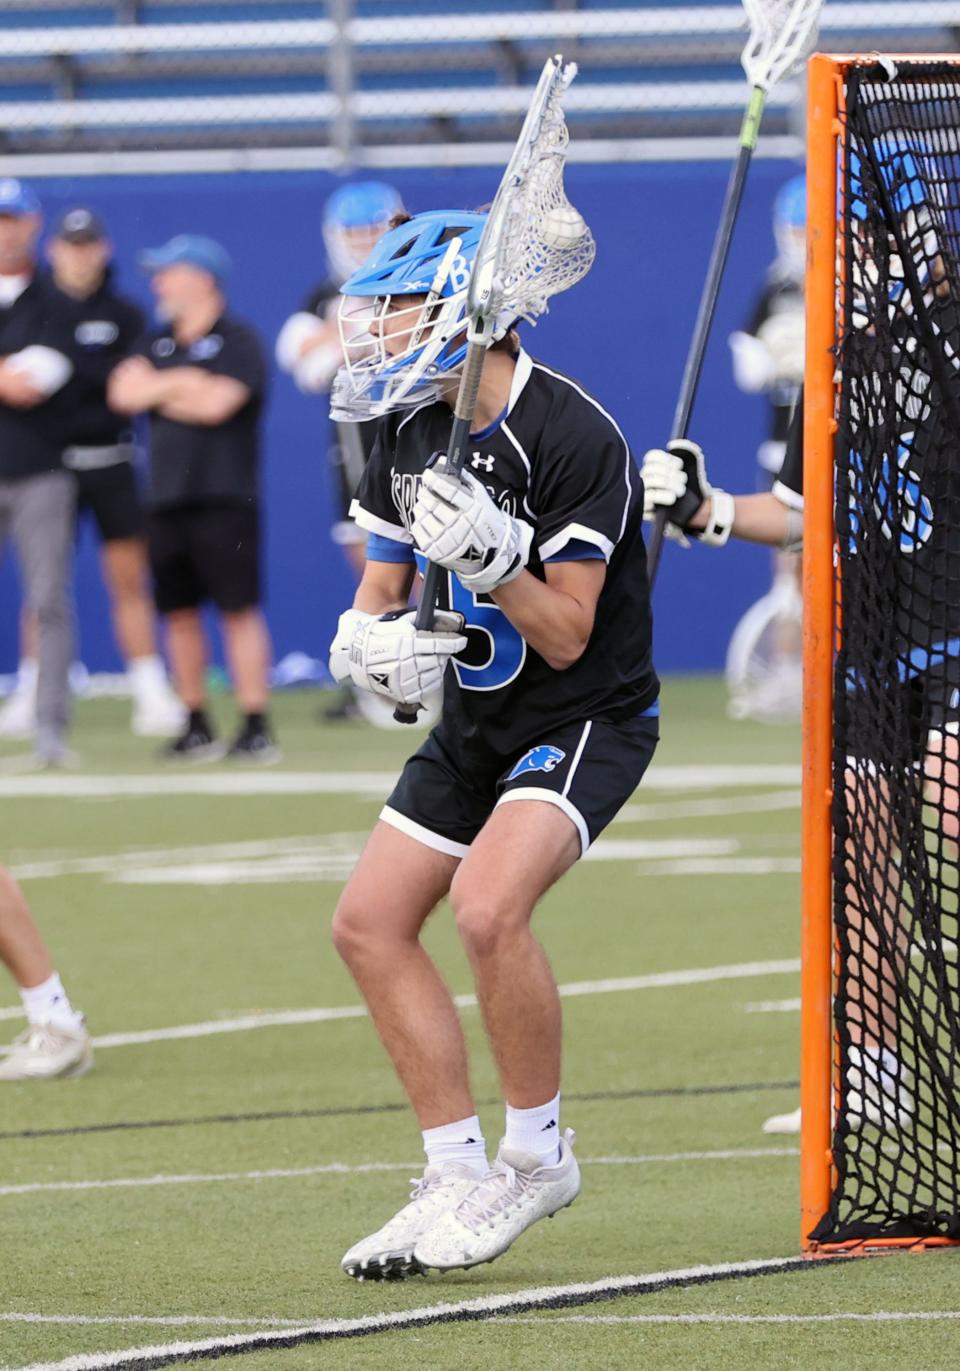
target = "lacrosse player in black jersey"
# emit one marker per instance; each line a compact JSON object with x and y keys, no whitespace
{"x":549,"y":721}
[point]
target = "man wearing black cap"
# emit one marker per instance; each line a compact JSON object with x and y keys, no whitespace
{"x":36,"y":494}
{"x":101,"y":327}
{"x":201,"y":378}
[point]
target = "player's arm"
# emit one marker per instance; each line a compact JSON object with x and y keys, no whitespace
{"x":191,"y":395}
{"x":308,"y":347}
{"x":555,"y":617}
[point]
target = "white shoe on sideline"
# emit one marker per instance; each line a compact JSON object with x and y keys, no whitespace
{"x":18,"y":715}
{"x":783,"y":1123}
{"x":158,"y":714}
{"x":387,"y":1255}
{"x":46,"y":1052}
{"x":517,"y":1192}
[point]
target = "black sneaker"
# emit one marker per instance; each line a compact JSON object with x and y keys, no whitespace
{"x":195,"y":744}
{"x":254,"y":743}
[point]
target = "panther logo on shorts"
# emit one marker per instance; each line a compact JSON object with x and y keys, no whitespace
{"x":542,"y":758}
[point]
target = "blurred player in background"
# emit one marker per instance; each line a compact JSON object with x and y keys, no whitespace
{"x":102,"y":327}
{"x":764,"y":670}
{"x":308,"y":347}
{"x":36,"y":493}
{"x":201,"y":377}
{"x":549,"y":722}
{"x":55,"y":1043}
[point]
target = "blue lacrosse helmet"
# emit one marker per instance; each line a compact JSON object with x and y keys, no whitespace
{"x":430,"y":257}
{"x":902,"y":175}
{"x":353,"y":218}
{"x":790,"y":206}
{"x":789,"y":228}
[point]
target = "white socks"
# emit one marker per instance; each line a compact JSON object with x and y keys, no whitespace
{"x":147,"y":676}
{"x":535,"y":1130}
{"x":460,"y":1142}
{"x":27,"y":672}
{"x":47,"y":1003}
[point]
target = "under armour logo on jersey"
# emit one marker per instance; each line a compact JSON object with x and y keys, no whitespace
{"x":542,"y":758}
{"x":486,"y":462}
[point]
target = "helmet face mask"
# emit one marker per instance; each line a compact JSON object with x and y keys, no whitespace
{"x":403,"y":316}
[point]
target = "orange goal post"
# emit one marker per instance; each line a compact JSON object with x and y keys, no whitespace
{"x":880,"y":979}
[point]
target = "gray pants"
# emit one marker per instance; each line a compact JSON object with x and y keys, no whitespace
{"x":38,"y":512}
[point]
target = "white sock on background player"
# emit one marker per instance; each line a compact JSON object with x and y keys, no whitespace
{"x":48,"y":1003}
{"x":536,"y":1131}
{"x":461,"y":1142}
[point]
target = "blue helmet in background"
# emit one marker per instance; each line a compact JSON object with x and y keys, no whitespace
{"x":902,"y":174}
{"x":429,"y":257}
{"x":790,"y":228}
{"x":354,"y":217}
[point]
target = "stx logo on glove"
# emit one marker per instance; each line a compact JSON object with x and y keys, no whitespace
{"x":542,"y":758}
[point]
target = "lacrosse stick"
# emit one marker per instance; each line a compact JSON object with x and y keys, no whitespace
{"x":782,"y":36}
{"x":517,"y":268}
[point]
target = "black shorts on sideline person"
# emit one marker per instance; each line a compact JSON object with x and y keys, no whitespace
{"x":111,"y":497}
{"x":205,"y":552}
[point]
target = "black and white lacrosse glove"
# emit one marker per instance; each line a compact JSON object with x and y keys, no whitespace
{"x":457,"y":524}
{"x":675,"y":479}
{"x":390,"y":656}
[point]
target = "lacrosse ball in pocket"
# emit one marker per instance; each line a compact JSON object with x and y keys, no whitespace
{"x":563,"y":228}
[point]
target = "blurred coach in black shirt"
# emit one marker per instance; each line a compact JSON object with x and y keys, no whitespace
{"x":201,"y":377}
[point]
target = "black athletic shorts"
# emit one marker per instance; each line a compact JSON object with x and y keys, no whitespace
{"x":447,"y":791}
{"x":111,"y":496}
{"x":201,"y":553}
{"x":904,"y":713}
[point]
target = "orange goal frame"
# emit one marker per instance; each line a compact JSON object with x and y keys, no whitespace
{"x":819,"y":1066}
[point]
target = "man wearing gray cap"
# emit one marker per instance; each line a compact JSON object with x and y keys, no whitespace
{"x":201,"y":378}
{"x":36,"y":493}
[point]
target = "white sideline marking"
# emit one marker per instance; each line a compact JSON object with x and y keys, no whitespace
{"x":281,"y":1018}
{"x":880,"y":1316}
{"x":709,"y":809}
{"x":14,"y":1012}
{"x":364,"y":1168}
{"x":612,"y":1287}
{"x":725,"y":866}
{"x":20,"y":786}
{"x":771,"y":1007}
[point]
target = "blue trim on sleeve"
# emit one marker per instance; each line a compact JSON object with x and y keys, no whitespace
{"x":381,"y":549}
{"x":652,"y":711}
{"x":577,"y":550}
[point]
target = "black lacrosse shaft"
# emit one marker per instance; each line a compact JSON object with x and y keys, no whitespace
{"x":708,"y":306}
{"x":456,"y":456}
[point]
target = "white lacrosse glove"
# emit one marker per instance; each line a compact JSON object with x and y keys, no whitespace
{"x":457,"y":524}
{"x":675,"y":479}
{"x":391,"y":656}
{"x":348,"y":623}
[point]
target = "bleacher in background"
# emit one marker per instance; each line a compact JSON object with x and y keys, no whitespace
{"x":408,"y":82}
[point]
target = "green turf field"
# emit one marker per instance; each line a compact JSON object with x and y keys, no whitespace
{"x":203,"y":1186}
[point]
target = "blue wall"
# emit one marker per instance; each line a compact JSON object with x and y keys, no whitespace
{"x":624,"y":332}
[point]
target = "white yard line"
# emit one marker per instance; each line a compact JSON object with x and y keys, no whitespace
{"x":488,"y":1306}
{"x":377,"y":784}
{"x":709,"y":809}
{"x":365,"y":1168}
{"x":772,"y":1007}
{"x":158,"y":1321}
{"x":725,"y":866}
{"x":283,"y":1018}
{"x":14,"y":1012}
{"x":880,"y":1316}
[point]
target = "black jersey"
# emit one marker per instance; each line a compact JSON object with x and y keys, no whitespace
{"x":101,"y":331}
{"x":788,"y":487}
{"x":557,"y":460}
{"x":208,"y":463}
{"x":32,"y":440}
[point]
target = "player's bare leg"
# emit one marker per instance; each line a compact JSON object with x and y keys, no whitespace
{"x":248,"y":649}
{"x":55,"y":1042}
{"x":520,"y":852}
{"x":157,"y":712}
{"x":187,"y":646}
{"x":376,"y":929}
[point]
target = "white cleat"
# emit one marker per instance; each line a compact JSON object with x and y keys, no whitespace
{"x":518,"y":1191}
{"x":158,"y":715}
{"x":878,"y":1090}
{"x":18,"y":715}
{"x":783,"y":1123}
{"x":45,"y":1052}
{"x":387,"y":1255}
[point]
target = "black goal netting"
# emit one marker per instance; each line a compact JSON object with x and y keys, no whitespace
{"x":897,"y":667}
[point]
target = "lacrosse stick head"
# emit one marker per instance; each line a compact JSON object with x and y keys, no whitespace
{"x":535,"y":244}
{"x":783,"y":34}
